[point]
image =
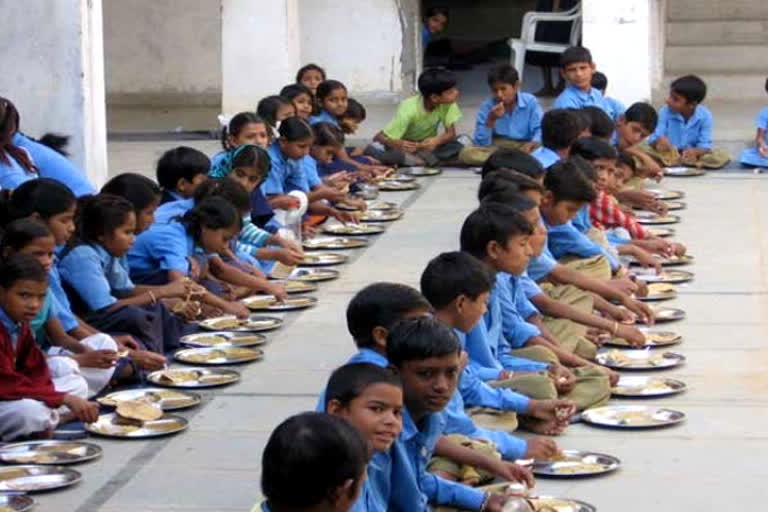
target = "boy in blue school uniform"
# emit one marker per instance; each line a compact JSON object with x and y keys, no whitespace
{"x":372,"y":312}
{"x":509,"y":119}
{"x":615,"y":107}
{"x":458,"y":287}
{"x":684,"y":131}
{"x":559,"y":130}
{"x":577,"y":68}
{"x":179,"y":172}
{"x":499,"y":236}
{"x":426,"y":354}
{"x":567,"y":192}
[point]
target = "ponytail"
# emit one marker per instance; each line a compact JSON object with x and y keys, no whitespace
{"x":9,"y":125}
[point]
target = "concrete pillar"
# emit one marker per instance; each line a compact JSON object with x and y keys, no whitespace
{"x":625,"y":43}
{"x":260,"y":50}
{"x":51,"y":54}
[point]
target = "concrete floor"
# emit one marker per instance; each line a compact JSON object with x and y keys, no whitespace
{"x":712,"y":461}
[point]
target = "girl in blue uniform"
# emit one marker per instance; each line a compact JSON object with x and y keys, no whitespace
{"x":30,"y":158}
{"x":191,"y":247}
{"x":16,"y":165}
{"x":94,"y":271}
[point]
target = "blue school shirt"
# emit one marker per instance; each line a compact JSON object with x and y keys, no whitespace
{"x":565,"y":239}
{"x":52,"y":164}
{"x":529,"y":286}
{"x":166,"y":212}
{"x":751,"y":156}
{"x":615,"y":107}
{"x":694,"y":133}
{"x":161,"y":247}
{"x":374,"y":496}
{"x":476,"y":393}
{"x":416,"y":487}
{"x":573,"y":97}
{"x":324,"y":117}
{"x":94,"y":273}
{"x":581,"y":221}
{"x":523,"y":123}
{"x":12,"y":174}
{"x":309,"y":170}
{"x":285,"y":174}
{"x":545,"y":156}
{"x":64,"y":308}
{"x":515,"y":311}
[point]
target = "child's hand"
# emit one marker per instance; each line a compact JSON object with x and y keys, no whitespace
{"x":290,"y":257}
{"x":552,"y":410}
{"x":409,"y":146}
{"x":126,"y":342}
{"x":512,"y":472}
{"x":541,"y":448}
{"x":623,"y":285}
{"x":345,"y":217}
{"x":663,"y":145}
{"x":641,"y":309}
{"x":338,"y":178}
{"x":357,"y":151}
{"x":563,"y":378}
{"x":762,"y":148}
{"x":496,"y":112}
{"x":430,"y":144}
{"x":308,"y":231}
{"x":529,"y":147}
{"x":96,"y":358}
{"x":679,"y":249}
{"x":238,"y":309}
{"x":147,"y":360}
{"x":278,"y":290}
{"x":690,"y":156}
{"x":85,"y":411}
{"x":647,"y":259}
{"x":176,"y":288}
{"x":285,"y":203}
{"x":613,"y":377}
{"x":634,"y":336}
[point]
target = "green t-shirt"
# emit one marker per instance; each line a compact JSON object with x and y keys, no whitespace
{"x":412,"y":122}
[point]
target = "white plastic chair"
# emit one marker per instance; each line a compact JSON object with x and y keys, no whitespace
{"x":527,"y":41}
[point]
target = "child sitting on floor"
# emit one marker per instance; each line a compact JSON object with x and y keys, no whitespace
{"x":498,"y":236}
{"x":577,"y":68}
{"x":54,"y":205}
{"x":426,"y":354}
{"x":371,"y":399}
{"x":757,"y":156}
{"x":569,"y":304}
{"x":559,"y":130}
{"x":615,"y":107}
{"x":413,"y":129}
{"x":179,"y":171}
{"x":458,"y":287}
{"x":600,"y":124}
{"x":683,"y":135}
{"x":95,"y":274}
{"x":95,"y":356}
{"x":509,"y":119}
{"x":30,"y":403}
{"x":193,"y":246}
{"x":324,"y":452}
{"x":246,"y":128}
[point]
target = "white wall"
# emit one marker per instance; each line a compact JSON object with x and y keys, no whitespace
{"x":359,"y":42}
{"x":163,"y":51}
{"x":51,"y":55}
{"x":260,"y":50}
{"x":619,"y":35}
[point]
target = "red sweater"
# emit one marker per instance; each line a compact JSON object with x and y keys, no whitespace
{"x":24,"y":373}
